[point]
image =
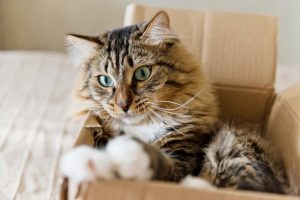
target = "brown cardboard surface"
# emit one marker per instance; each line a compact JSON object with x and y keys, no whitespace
{"x":292,"y":96}
{"x":240,"y":49}
{"x":124,"y":190}
{"x":248,"y":104}
{"x":283,"y":130}
{"x":85,"y":137}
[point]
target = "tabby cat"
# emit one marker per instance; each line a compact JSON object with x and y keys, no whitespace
{"x":159,"y":115}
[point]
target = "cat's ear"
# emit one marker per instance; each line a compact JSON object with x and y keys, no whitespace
{"x":158,"y":29}
{"x":81,"y":48}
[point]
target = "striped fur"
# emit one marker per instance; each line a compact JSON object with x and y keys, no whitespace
{"x":173,"y":114}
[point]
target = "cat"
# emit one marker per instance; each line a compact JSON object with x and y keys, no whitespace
{"x":160,"y":116}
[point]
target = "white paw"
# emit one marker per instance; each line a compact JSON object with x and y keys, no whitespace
{"x":123,"y":156}
{"x":86,"y":164}
{"x":196,"y":182}
{"x":129,"y":158}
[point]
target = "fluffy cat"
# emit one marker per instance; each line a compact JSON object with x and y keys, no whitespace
{"x":159,"y":116}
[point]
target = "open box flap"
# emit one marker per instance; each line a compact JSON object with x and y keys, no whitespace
{"x":257,"y":109}
{"x":86,"y":134}
{"x":237,"y":49}
{"x":292,"y":98}
{"x":283,"y":130}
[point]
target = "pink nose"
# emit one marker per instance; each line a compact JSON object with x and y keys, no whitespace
{"x":124,"y":99}
{"x":124,"y":104}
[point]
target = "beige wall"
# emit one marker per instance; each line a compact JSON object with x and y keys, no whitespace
{"x":41,"y":24}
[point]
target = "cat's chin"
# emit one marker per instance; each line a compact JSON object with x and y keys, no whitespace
{"x":133,"y":118}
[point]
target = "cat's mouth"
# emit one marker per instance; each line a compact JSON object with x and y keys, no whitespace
{"x":130,"y":117}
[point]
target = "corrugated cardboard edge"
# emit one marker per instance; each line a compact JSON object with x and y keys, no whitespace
{"x":110,"y":190}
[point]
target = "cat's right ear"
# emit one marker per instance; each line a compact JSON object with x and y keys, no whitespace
{"x":81,"y":48}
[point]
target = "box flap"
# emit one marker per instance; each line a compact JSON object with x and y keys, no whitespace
{"x":92,"y":122}
{"x":292,"y":97}
{"x":86,"y":134}
{"x":283,"y":130}
{"x":240,"y":49}
{"x":236,"y":49}
{"x":244,"y":104}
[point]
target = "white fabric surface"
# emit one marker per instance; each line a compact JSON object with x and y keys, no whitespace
{"x":34,"y":95}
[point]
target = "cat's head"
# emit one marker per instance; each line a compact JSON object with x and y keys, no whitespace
{"x":130,"y":71}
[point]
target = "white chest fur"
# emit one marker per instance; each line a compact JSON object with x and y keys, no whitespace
{"x":144,"y":131}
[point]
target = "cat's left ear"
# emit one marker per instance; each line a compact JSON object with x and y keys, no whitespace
{"x":81,"y":48}
{"x":158,"y":30}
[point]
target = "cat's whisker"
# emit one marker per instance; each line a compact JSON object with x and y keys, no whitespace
{"x":139,"y":104}
{"x":168,"y":125}
{"x":156,"y":105}
{"x":145,"y":110}
{"x":159,"y":117}
{"x":165,"y":110}
{"x":181,"y":105}
{"x":153,"y":120}
{"x":171,"y":102}
{"x":157,"y":120}
{"x":168,"y":112}
{"x":138,"y":108}
{"x":148,"y":116}
{"x":193,"y":98}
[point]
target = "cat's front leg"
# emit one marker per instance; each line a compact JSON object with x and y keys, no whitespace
{"x":124,"y":157}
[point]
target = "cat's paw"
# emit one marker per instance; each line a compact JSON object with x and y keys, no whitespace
{"x":86,"y":164}
{"x":196,"y":182}
{"x":124,"y":157}
{"x":130,"y":159}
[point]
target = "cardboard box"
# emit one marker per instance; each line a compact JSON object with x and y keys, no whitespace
{"x":238,"y":52}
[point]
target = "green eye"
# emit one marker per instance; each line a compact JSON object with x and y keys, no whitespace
{"x":142,"y":73}
{"x":105,"y":81}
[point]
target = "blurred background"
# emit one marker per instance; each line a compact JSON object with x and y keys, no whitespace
{"x":41,"y":25}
